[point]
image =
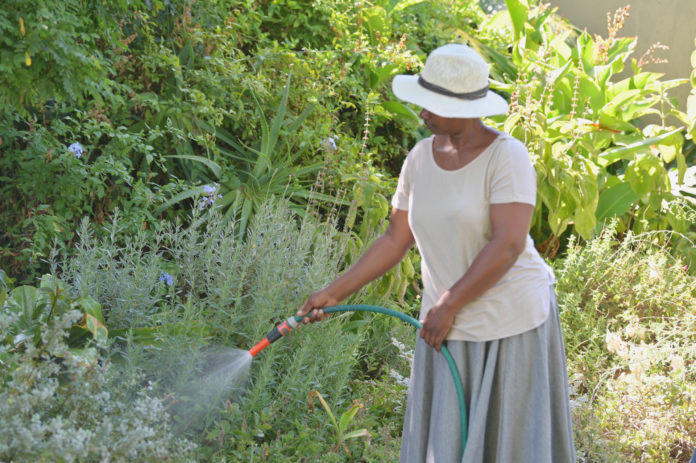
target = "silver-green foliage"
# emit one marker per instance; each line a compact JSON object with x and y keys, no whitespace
{"x":55,"y":407}
{"x":227,"y":292}
{"x":628,"y":314}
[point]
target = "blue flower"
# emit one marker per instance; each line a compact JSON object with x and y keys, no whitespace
{"x":210,"y":196}
{"x":76,"y":149}
{"x":167,"y":278}
{"x":330,"y":143}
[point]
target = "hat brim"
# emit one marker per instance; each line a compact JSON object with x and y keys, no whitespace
{"x":407,"y":88}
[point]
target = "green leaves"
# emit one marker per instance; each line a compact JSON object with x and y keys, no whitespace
{"x":344,"y":422}
{"x":583,"y":126}
{"x":254,"y":173}
{"x":518,"y":14}
{"x":615,"y":201}
{"x":37,"y":307}
{"x":627,"y":152}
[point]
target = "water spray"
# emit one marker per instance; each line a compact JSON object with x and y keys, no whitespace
{"x":291,"y":323}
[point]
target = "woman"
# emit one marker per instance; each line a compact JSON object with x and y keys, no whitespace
{"x":466,"y":197}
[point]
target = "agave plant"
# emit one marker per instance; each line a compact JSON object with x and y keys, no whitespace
{"x":271,"y":167}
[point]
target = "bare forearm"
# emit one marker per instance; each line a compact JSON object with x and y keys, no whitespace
{"x":382,"y":255}
{"x":488,"y":268}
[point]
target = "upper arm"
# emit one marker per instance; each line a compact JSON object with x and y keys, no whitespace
{"x":510,"y":224}
{"x":399,"y":231}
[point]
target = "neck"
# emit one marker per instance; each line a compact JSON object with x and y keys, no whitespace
{"x":469,"y":132}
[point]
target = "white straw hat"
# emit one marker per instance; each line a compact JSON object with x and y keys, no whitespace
{"x":454,"y":83}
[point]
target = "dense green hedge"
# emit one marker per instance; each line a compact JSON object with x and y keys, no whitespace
{"x":262,"y":98}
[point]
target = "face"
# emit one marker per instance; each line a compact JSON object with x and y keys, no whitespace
{"x":438,"y":125}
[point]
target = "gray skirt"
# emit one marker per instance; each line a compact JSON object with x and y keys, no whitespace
{"x":517,"y":401}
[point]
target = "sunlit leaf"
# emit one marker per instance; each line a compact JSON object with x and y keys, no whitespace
{"x":615,"y":201}
{"x":518,"y":14}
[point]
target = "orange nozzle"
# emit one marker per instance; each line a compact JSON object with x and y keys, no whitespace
{"x":259,"y":347}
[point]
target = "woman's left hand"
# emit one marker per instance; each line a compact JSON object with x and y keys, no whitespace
{"x":437,"y":324}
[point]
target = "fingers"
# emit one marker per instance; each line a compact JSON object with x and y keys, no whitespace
{"x":311,"y":311}
{"x":316,"y":315}
{"x":432,"y":338}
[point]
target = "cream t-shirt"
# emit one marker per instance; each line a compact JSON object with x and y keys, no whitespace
{"x":448,"y":212}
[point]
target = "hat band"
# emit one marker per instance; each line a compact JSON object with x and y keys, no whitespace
{"x":443,"y":91}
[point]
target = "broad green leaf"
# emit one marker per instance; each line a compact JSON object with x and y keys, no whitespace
{"x":95,"y":327}
{"x":586,"y":53}
{"x":666,"y":85}
{"x":85,"y":356}
{"x":558,"y":222}
{"x":91,"y":307}
{"x":626,"y":152}
{"x":615,"y":201}
{"x":358,"y":433}
{"x":585,"y":221}
{"x":397,"y":5}
{"x":396,"y":107}
{"x":669,"y":147}
{"x":691,"y":106}
{"x":378,"y":22}
{"x":611,"y":123}
{"x":195,"y":191}
{"x":602,"y":74}
{"x":617,"y":104}
{"x":646,"y":174}
{"x":212,"y":165}
{"x":589,"y":89}
{"x":554,"y":75}
{"x":348,"y":416}
{"x":620,"y":48}
{"x":519,"y":54}
{"x":681,"y":167}
{"x":326,"y":407}
{"x":518,"y":15}
{"x":25,"y":300}
{"x":561,"y":49}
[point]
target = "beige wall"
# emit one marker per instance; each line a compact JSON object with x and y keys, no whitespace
{"x":670,"y":22}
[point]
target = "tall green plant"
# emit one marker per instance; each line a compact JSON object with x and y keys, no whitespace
{"x":594,"y":157}
{"x":269,"y":168}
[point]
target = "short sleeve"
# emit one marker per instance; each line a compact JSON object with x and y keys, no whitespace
{"x":403,"y":188}
{"x":513,"y":176}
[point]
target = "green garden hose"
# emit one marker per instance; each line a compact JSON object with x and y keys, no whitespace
{"x":288,"y":325}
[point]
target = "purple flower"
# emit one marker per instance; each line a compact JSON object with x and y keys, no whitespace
{"x":330,"y":143}
{"x":210,"y":196}
{"x":166,"y":278}
{"x":76,"y":149}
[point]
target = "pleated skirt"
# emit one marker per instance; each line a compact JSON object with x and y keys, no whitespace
{"x":517,"y":400}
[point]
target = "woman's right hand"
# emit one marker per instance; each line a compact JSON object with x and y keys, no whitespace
{"x":314,"y":304}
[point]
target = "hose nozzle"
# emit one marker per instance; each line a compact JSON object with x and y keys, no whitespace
{"x":281,"y":330}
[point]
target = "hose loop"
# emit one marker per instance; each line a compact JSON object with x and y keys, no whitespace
{"x":445,"y":352}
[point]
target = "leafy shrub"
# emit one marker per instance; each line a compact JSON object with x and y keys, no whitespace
{"x":90,"y":163}
{"x":55,"y":406}
{"x":627,"y":311}
{"x":228,"y":293}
